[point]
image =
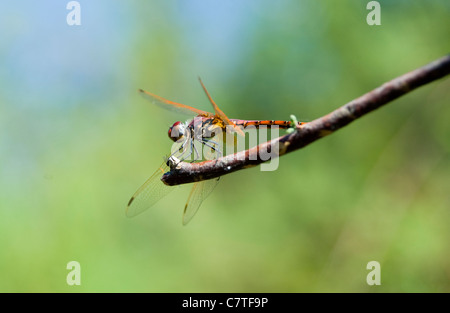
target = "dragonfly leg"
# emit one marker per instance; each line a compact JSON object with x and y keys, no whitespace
{"x":197,"y":155}
{"x":191,"y":149}
{"x":208,"y":142}
{"x":185,"y":150}
{"x":176,"y":151}
{"x":214,"y":143}
{"x":183,"y":146}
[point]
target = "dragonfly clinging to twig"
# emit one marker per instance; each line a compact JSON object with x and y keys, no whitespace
{"x":201,"y":129}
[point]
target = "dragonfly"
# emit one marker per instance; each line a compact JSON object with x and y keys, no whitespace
{"x":202,"y":129}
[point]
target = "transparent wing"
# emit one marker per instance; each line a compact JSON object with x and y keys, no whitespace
{"x":149,"y":193}
{"x":172,"y":106}
{"x":199,"y":192}
{"x":219,"y":112}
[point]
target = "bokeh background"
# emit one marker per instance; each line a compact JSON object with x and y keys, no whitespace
{"x":77,"y":140}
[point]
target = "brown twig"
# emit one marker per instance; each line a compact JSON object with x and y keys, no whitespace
{"x":182,"y":173}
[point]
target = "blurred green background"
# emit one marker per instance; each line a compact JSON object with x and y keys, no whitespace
{"x":77,"y":140}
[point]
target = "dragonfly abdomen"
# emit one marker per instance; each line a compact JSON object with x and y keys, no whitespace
{"x":258,"y":123}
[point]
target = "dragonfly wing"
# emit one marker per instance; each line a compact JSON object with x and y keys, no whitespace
{"x":220,"y":113}
{"x":149,"y":193}
{"x":172,"y":106}
{"x":199,"y":192}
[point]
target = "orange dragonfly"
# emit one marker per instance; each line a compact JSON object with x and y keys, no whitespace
{"x":202,"y":130}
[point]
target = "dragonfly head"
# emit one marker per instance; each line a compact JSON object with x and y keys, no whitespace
{"x":177,"y":131}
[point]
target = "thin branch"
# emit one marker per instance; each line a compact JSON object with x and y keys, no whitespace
{"x":182,"y":172}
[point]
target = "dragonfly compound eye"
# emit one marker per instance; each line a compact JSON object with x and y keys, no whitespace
{"x":176,"y":131}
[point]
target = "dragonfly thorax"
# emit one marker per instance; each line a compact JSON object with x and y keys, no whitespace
{"x":177,"y":131}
